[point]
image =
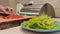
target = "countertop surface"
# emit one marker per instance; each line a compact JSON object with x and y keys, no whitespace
{"x":19,"y":30}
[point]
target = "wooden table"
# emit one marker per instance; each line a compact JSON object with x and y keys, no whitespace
{"x":19,"y":30}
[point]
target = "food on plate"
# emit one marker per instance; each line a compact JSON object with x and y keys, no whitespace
{"x":41,"y":22}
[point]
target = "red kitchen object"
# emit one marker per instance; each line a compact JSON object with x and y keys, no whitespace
{"x":12,"y":16}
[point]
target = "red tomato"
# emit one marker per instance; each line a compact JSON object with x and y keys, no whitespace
{"x":12,"y":16}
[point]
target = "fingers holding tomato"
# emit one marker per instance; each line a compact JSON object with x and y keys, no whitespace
{"x":9,"y":10}
{"x":6,"y":10}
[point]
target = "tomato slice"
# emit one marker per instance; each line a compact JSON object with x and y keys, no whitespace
{"x":12,"y":16}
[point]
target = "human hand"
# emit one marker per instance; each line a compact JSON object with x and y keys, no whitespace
{"x":6,"y":10}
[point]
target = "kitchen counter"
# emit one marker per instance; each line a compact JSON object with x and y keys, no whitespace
{"x":19,"y":30}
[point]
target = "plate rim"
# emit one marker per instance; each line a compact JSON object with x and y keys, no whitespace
{"x":39,"y":30}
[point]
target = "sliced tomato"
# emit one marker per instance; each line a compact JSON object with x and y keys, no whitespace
{"x":12,"y":16}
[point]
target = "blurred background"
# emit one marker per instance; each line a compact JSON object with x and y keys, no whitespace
{"x":13,"y":4}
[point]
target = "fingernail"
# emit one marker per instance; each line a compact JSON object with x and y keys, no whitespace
{"x":11,"y":9}
{"x":7,"y":9}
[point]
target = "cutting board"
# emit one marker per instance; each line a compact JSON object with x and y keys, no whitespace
{"x":8,"y":20}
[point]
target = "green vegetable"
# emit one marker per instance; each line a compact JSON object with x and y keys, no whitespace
{"x":41,"y":22}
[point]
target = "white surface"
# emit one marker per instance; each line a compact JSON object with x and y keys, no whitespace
{"x":19,"y":7}
{"x":19,"y":30}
